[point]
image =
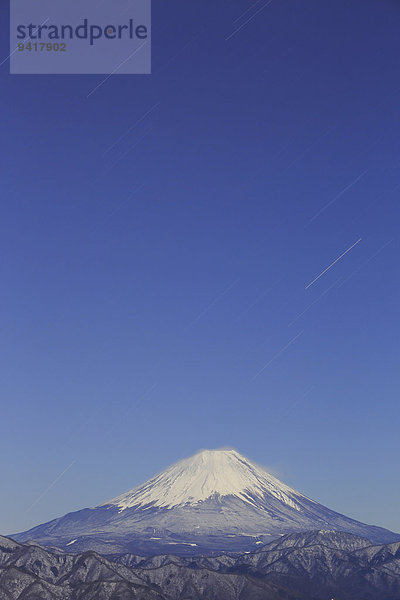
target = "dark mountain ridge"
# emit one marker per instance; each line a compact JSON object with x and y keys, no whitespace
{"x":316,"y":565}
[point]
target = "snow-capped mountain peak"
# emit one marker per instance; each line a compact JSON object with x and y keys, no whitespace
{"x":208,"y":474}
{"x":215,"y":501}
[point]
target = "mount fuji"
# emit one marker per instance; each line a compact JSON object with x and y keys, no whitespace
{"x":215,"y":501}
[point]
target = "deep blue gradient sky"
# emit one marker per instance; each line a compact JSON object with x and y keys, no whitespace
{"x":157,"y":238}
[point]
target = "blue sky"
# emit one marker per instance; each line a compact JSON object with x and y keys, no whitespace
{"x":157,"y":238}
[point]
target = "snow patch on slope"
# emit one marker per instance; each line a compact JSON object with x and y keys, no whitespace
{"x":208,"y":474}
